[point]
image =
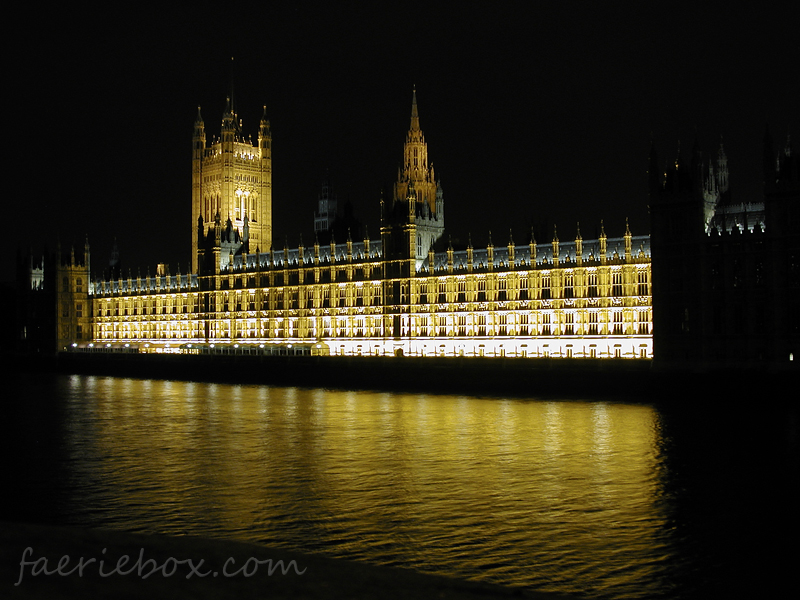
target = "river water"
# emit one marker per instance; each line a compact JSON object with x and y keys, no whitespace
{"x":597,"y":498}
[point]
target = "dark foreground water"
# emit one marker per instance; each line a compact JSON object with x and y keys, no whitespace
{"x":597,"y":498}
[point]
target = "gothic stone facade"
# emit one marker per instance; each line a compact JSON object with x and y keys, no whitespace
{"x":372,"y":297}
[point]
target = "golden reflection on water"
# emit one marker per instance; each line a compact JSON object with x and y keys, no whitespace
{"x":556,"y":495}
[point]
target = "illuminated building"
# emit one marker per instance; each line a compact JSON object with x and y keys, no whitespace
{"x":392,"y":296}
{"x":232,"y":177}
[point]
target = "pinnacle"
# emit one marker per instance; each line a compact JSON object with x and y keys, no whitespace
{"x":414,"y":111}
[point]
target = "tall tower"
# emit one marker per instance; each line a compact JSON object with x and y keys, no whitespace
{"x":326,"y":213}
{"x":232,"y":177}
{"x":417,"y":186}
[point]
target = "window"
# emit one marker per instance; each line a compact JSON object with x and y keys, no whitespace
{"x":592,"y":285}
{"x":593,"y":323}
{"x":644,"y":322}
{"x":642,"y":275}
{"x":618,"y":323}
{"x":523,"y":288}
{"x":616,"y":282}
{"x":546,"y":324}
{"x":546,"y":287}
{"x":569,"y":283}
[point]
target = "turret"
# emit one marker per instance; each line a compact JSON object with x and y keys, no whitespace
{"x":264,"y":136}
{"x":86,"y":258}
{"x":603,"y":243}
{"x":628,"y":239}
{"x":228,"y":125}
{"x":469,"y":254}
{"x":555,"y":247}
{"x":490,"y":252}
{"x":199,"y":137}
{"x":449,"y":255}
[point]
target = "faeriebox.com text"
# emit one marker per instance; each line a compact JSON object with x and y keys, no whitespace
{"x":144,"y":568}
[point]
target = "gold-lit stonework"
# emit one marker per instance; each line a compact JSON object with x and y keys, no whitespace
{"x":232,"y":179}
{"x":396,"y":295}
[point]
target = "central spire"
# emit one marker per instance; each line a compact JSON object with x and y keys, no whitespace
{"x":414,"y":113}
{"x":417,"y":190}
{"x":415,"y":168}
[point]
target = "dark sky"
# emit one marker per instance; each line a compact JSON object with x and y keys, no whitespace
{"x":534,"y":113}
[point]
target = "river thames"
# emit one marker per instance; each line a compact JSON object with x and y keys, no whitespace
{"x":600,"y":498}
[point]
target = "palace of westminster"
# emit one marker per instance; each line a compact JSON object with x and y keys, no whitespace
{"x":723,"y":277}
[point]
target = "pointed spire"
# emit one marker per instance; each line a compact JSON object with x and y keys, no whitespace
{"x":231,"y":97}
{"x":414,"y":113}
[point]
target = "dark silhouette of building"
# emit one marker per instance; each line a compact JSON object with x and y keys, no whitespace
{"x":726,"y":270}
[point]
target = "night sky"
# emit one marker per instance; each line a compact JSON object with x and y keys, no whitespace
{"x":534,"y":113}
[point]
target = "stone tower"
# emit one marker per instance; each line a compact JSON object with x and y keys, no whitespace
{"x":417,"y":186}
{"x":232,"y":177}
